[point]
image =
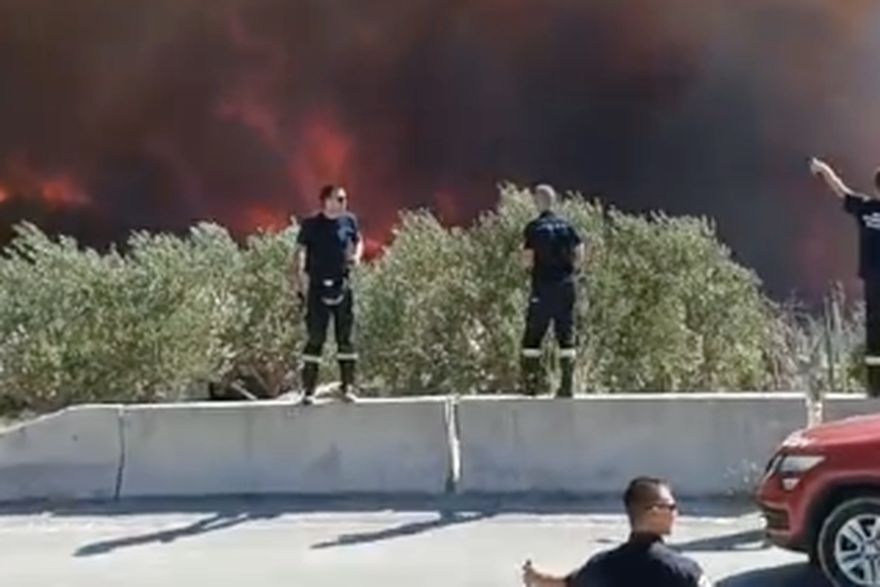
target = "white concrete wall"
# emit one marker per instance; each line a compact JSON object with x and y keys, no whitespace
{"x":398,"y":446}
{"x":839,"y":406}
{"x":708,"y":444}
{"x":712,"y":444}
{"x":74,"y":454}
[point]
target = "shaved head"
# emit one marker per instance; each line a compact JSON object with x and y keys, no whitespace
{"x":650,"y":504}
{"x":544,"y":196}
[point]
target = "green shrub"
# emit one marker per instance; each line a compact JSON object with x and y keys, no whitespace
{"x":77,"y":326}
{"x":662,"y":307}
{"x":265,"y":331}
{"x":821,"y":352}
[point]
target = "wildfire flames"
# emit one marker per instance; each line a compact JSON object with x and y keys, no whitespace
{"x":121,"y":114}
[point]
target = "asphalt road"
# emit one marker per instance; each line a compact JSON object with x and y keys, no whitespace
{"x":326,"y":544}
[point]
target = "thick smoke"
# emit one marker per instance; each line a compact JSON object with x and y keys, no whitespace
{"x":117,"y":114}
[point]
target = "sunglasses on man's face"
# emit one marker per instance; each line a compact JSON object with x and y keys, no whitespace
{"x":669,"y":507}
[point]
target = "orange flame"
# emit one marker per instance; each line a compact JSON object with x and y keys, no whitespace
{"x":259,"y":217}
{"x":324,"y":155}
{"x":55,"y":190}
{"x":62,"y":191}
{"x":241,"y":111}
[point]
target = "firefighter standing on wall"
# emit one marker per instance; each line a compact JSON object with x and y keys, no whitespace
{"x":329,"y":243}
{"x":553,"y":250}
{"x":866,"y":210}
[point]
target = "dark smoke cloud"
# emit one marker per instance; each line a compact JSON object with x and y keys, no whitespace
{"x":162,"y":112}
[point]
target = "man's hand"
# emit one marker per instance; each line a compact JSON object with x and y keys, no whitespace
{"x":580,"y":256}
{"x":704,"y":581}
{"x":354,"y":253}
{"x":529,"y":576}
{"x":302,"y":283}
{"x":818,"y":167}
{"x":532,"y":578}
{"x":527,"y":258}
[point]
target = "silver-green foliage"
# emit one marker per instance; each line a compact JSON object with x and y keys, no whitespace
{"x":76,"y":326}
{"x":662,"y":307}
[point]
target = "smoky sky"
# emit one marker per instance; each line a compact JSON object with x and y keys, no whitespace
{"x":159,"y":113}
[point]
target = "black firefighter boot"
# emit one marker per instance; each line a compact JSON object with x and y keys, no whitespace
{"x":530,"y":375}
{"x":566,"y":380}
{"x":309,"y":381}
{"x":873,"y":383}
{"x":347,"y":369}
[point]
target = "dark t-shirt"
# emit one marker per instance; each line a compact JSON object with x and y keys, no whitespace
{"x":552,"y":240}
{"x":643,"y":560}
{"x":866,"y":211}
{"x":327,"y":241}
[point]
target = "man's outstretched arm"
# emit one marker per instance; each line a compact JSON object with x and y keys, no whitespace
{"x":533,"y":578}
{"x":832,"y":180}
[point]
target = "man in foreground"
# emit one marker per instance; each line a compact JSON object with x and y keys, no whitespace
{"x":553,"y":251}
{"x":866,"y":211}
{"x":644,"y":559}
{"x":328,"y":244}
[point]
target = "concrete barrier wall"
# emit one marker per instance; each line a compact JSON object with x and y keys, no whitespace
{"x":707,"y":445}
{"x":74,"y":454}
{"x":839,"y":406}
{"x":277,"y":447}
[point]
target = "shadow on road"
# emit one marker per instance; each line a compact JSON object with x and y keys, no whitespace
{"x":796,"y":575}
{"x":742,"y":540}
{"x":445,"y":519}
{"x":218,"y":521}
{"x":549,"y":504}
{"x":221,"y":513}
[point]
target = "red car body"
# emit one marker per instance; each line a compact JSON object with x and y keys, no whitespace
{"x":819,"y":480}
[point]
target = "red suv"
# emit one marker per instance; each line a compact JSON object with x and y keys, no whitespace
{"x":820,"y":495}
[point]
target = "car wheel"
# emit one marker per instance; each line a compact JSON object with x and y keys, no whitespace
{"x":849,"y":543}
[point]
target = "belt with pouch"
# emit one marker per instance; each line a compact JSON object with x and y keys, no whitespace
{"x":331,"y":292}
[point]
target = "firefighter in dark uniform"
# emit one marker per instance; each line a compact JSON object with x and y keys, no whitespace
{"x":644,"y":559}
{"x":866,"y":211}
{"x":553,"y":251}
{"x":329,"y":243}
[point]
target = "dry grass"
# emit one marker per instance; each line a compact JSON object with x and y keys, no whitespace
{"x":818,"y":352}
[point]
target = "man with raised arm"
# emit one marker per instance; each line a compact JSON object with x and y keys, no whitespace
{"x":865,"y":209}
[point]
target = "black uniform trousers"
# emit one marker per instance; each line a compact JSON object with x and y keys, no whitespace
{"x":326,"y":300}
{"x":872,"y":334}
{"x":550,"y":303}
